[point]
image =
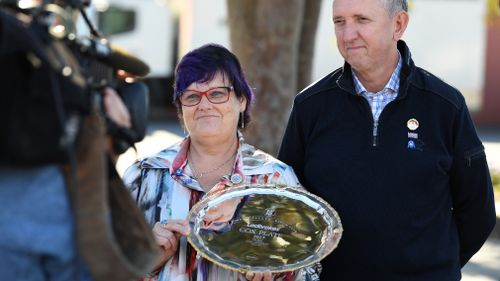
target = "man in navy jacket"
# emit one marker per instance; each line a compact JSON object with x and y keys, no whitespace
{"x":394,"y":150}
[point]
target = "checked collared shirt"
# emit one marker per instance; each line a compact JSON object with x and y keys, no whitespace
{"x":382,"y":98}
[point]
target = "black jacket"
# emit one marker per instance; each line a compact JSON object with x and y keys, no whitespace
{"x":414,"y":204}
{"x":37,"y":102}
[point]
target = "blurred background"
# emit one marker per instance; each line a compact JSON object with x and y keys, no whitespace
{"x":457,"y":40}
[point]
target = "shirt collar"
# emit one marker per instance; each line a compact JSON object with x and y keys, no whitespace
{"x":392,"y":84}
{"x":178,"y":168}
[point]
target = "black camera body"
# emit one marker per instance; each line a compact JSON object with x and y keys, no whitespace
{"x":49,"y":84}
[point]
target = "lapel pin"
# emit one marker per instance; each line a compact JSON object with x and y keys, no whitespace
{"x":412,"y":135}
{"x":411,"y":145}
{"x":412,"y":124}
{"x":236,"y":178}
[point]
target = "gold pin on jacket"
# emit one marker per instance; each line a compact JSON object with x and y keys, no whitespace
{"x":412,"y":124}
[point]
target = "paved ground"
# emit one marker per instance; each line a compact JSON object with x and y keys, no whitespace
{"x":484,"y":266}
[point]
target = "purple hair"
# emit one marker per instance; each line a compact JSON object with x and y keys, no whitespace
{"x":200,"y":66}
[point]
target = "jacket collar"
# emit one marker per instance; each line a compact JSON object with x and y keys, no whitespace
{"x":345,"y":80}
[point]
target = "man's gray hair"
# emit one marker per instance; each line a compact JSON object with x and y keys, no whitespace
{"x":395,"y":6}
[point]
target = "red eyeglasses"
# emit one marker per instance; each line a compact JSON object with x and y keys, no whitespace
{"x":215,"y":95}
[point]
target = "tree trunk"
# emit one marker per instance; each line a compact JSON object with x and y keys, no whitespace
{"x":307,"y":39}
{"x":274,"y":41}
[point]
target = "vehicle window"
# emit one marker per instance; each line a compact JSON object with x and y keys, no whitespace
{"x":116,"y":20}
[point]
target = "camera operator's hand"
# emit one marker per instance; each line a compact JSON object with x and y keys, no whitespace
{"x":117,"y":112}
{"x":115,"y":108}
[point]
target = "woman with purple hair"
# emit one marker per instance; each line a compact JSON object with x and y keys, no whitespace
{"x":213,"y":101}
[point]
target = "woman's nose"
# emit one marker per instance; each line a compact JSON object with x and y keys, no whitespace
{"x":204,"y":102}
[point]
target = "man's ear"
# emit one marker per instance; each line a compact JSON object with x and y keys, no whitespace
{"x":401,"y":20}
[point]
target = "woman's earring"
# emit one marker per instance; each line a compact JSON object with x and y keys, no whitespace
{"x":242,"y":120}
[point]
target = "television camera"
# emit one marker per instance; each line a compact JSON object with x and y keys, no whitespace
{"x":51,"y":109}
{"x":51,"y":77}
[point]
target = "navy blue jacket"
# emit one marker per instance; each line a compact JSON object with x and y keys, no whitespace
{"x":414,"y":204}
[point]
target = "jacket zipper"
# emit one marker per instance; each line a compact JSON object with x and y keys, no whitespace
{"x":403,"y":88}
{"x":375,"y":133}
{"x":375,"y":123}
{"x":473,"y":155}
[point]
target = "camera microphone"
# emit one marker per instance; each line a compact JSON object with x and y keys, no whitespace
{"x":113,"y":56}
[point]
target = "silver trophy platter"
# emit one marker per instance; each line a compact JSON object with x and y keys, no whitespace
{"x":260,"y":228}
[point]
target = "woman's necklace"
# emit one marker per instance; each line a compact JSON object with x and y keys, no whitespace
{"x":199,"y":174}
